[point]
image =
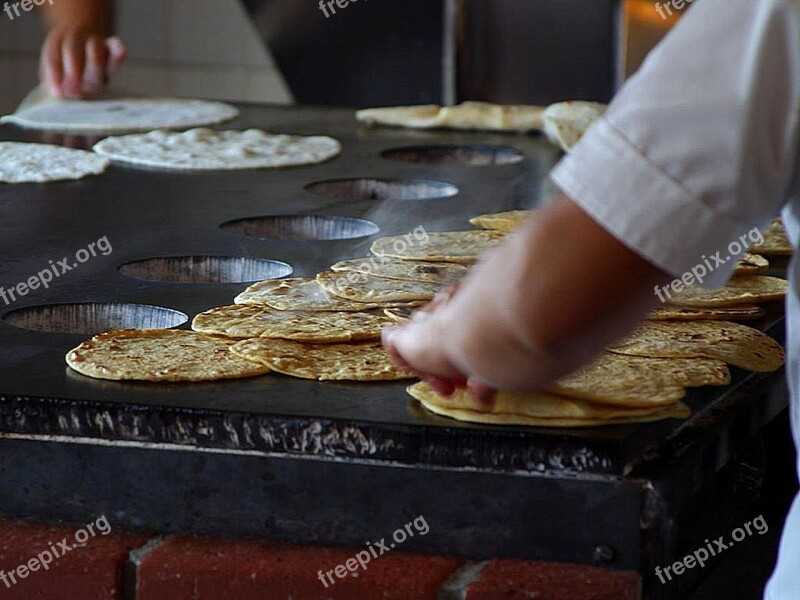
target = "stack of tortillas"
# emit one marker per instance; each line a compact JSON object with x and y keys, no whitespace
{"x":329,"y":327}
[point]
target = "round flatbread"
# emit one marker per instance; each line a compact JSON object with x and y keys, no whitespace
{"x":776,"y":241}
{"x":206,"y":149}
{"x":361,"y":287}
{"x":366,"y":361}
{"x":300,"y":293}
{"x":566,"y":122}
{"x":249,"y":320}
{"x":38,"y":163}
{"x":122,"y":115}
{"x":751,"y":264}
{"x":740,"y":312}
{"x":443,"y":246}
{"x":549,"y":410}
{"x":160,"y":355}
{"x":635,"y":381}
{"x":405,"y":270}
{"x":733,"y":343}
{"x":742,"y":289}
{"x":469,"y":115}
{"x":502,"y":221}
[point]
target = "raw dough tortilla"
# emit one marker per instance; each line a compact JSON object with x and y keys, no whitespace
{"x":121,"y":115}
{"x":205,"y":149}
{"x":366,"y":361}
{"x":467,"y":116}
{"x":38,"y":163}
{"x":299,"y":293}
{"x":539,"y":409}
{"x":249,"y":321}
{"x":360,"y":287}
{"x":736,"y":344}
{"x":160,"y":355}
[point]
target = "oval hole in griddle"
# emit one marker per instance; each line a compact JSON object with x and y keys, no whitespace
{"x":475,"y":155}
{"x":91,"y":318}
{"x":205,"y":269}
{"x":383,"y":189}
{"x":302,"y":227}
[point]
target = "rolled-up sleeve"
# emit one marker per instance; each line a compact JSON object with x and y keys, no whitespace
{"x":701,"y":145}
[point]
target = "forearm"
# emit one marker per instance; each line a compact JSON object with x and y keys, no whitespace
{"x":95,"y":16}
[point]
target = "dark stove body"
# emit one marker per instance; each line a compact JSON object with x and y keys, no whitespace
{"x":330,"y":463}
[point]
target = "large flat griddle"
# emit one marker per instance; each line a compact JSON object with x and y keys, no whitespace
{"x":364,"y":433}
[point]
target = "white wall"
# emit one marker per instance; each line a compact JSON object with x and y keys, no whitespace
{"x":198,"y":48}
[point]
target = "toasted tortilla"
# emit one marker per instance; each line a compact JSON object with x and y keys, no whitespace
{"x":160,"y":355}
{"x":250,"y":320}
{"x":736,"y":344}
{"x":566,"y":122}
{"x":366,"y":361}
{"x":463,"y":247}
{"x":502,"y":221}
{"x":741,"y":289}
{"x":466,"y":116}
{"x":361,"y":287}
{"x":405,"y":270}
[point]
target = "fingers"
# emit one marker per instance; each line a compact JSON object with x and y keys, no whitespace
{"x":94,"y":73}
{"x":74,"y":65}
{"x":117,"y":51}
{"x":50,"y":66}
{"x":73,"y":57}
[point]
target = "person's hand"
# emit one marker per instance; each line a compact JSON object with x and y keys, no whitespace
{"x":76,"y":63}
{"x":544,"y":303}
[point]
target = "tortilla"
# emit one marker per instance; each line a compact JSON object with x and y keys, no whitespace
{"x":38,"y":163}
{"x":776,"y":241}
{"x":366,"y":361}
{"x":360,"y":287}
{"x":404,"y":270}
{"x":549,"y":410}
{"x":733,"y":343}
{"x":566,"y":122}
{"x":247,"y":320}
{"x":466,"y":116}
{"x":121,"y":115}
{"x":751,"y":264}
{"x":740,"y":312}
{"x":463,"y":247}
{"x":303,"y":294}
{"x":398,"y":315}
{"x":634,"y":381}
{"x":502,"y":221}
{"x":206,"y":149}
{"x":742,"y":289}
{"x":160,"y":355}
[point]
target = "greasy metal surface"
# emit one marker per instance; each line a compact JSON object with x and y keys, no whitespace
{"x":148,"y":213}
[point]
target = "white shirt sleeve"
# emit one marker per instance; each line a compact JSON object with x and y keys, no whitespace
{"x":701,"y":145}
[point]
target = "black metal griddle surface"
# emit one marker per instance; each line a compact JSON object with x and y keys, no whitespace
{"x":149,"y":213}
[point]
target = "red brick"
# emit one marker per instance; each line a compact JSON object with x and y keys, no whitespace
{"x":512,"y":579}
{"x":89,"y":572}
{"x":209,"y":569}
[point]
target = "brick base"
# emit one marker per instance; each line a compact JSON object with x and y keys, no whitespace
{"x":194,"y":568}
